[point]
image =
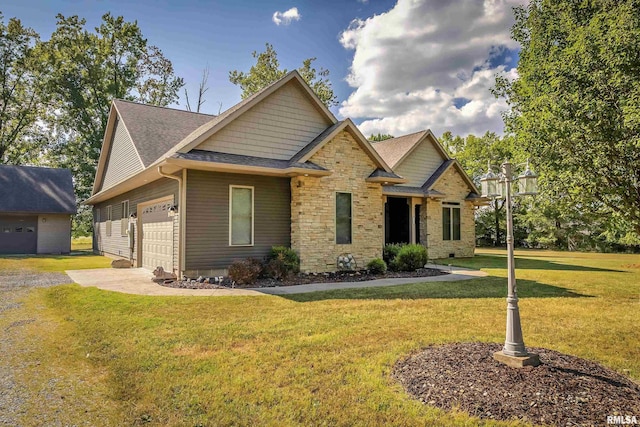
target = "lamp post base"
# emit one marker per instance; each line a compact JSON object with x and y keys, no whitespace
{"x":531,"y":359}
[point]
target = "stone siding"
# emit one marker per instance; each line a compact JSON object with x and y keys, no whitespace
{"x":456,"y":191}
{"x":313,"y":208}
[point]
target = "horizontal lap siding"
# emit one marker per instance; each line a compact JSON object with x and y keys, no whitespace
{"x":420,"y":164}
{"x":207,"y":222}
{"x":123,"y":158}
{"x":278,"y":127}
{"x":117,"y":244}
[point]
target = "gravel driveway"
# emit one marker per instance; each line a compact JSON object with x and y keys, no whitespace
{"x":14,"y":286}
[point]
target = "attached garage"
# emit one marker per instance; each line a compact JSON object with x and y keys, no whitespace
{"x":36,"y":208}
{"x":157,"y":235}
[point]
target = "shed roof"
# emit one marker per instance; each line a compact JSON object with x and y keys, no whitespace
{"x":36,"y":190}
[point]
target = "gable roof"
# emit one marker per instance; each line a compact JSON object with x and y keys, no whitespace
{"x":155,"y":130}
{"x":328,"y":134}
{"x":207,"y":130}
{"x":158,"y":132}
{"x":442,"y":169}
{"x":395,"y":150}
{"x":36,"y":190}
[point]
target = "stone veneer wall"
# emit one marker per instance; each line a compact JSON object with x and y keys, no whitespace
{"x":313,"y":207}
{"x":456,"y":191}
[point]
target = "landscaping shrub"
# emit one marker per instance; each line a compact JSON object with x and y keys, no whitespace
{"x":245,"y":271}
{"x":390,"y":252}
{"x":377,"y":266}
{"x":277,"y":268}
{"x":287,"y":256}
{"x":410,"y":258}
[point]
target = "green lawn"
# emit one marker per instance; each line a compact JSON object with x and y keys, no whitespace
{"x":321,"y":358}
{"x":84,"y":243}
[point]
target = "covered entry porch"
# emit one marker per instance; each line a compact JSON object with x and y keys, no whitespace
{"x":405,"y":214}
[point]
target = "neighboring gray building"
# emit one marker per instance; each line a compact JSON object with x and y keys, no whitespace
{"x":36,"y":205}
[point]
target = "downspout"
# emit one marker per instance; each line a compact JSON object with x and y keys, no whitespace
{"x":181,"y":212}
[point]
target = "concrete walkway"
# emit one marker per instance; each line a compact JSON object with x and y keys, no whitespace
{"x":137,"y":281}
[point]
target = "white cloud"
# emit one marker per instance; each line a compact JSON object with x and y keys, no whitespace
{"x":285,"y":18}
{"x":429,"y":64}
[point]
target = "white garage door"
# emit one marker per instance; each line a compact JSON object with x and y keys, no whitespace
{"x":157,"y":236}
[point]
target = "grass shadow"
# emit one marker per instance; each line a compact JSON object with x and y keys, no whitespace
{"x":500,"y":261}
{"x":485,"y":287}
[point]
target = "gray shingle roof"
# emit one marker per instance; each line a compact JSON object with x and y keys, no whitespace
{"x":383,"y":174}
{"x":436,"y":175}
{"x":392,"y":150}
{"x":416,"y":191}
{"x":237,"y":159}
{"x":317,"y":140}
{"x":36,"y":190}
{"x":155,"y":130}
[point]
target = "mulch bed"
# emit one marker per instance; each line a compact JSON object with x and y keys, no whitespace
{"x":563,"y":391}
{"x":305,"y":279}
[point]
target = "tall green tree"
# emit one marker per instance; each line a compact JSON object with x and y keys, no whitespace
{"x":21,"y":138}
{"x":575,"y":106}
{"x":475,"y":153}
{"x":380,"y":137}
{"x":267,"y":70}
{"x":85,"y":70}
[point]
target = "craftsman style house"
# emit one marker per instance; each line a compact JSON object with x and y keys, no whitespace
{"x":193,"y":192}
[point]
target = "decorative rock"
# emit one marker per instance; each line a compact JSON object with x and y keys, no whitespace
{"x":120,"y":263}
{"x":161,"y":275}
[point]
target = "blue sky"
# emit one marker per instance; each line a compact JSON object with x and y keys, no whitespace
{"x":396,"y":66}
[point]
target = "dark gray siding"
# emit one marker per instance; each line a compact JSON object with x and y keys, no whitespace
{"x":117,"y":244}
{"x":208,"y":218}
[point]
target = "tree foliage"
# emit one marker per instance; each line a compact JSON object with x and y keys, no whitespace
{"x":475,"y":153}
{"x":20,"y":103}
{"x":380,"y":137}
{"x":575,"y":106}
{"x":85,"y":71}
{"x":267,"y":70}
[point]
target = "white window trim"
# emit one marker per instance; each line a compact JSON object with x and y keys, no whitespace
{"x":109,"y":220}
{"x":451,"y":206}
{"x":335,"y":217}
{"x":124,"y":218}
{"x":253,"y":214}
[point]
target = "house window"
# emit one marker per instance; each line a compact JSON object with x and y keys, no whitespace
{"x":451,"y":222}
{"x":109,"y":221}
{"x":240,"y":215}
{"x":343,"y":218}
{"x":124,"y":218}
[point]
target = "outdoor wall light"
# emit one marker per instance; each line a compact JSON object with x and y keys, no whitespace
{"x":173,"y":210}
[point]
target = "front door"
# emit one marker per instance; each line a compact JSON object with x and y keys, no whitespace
{"x":397,"y":220}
